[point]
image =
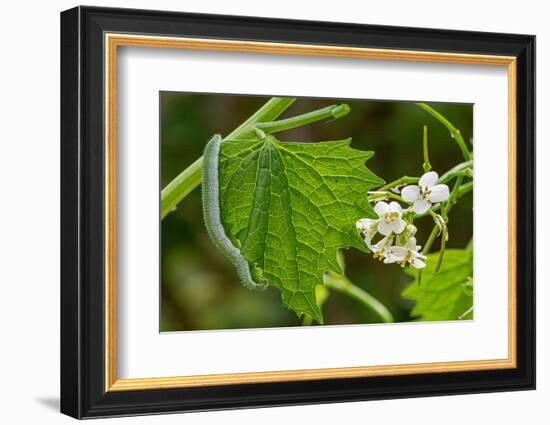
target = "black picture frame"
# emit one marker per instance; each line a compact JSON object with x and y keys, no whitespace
{"x":83,"y":392}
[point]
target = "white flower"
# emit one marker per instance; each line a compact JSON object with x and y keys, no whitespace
{"x":379,"y":249}
{"x":426,"y":193}
{"x":368,"y":228}
{"x":406,"y":254}
{"x":389,"y":218}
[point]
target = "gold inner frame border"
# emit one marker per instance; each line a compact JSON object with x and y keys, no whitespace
{"x":113,"y":41}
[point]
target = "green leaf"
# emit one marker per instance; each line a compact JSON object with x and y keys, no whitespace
{"x":442,"y":296}
{"x":288,"y":208}
{"x":468,"y":286}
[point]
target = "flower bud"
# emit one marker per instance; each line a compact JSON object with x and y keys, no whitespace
{"x":410,"y":230}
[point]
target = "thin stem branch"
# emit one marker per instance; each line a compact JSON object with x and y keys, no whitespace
{"x":457,"y":170}
{"x":400,"y":181}
{"x":427,"y":246}
{"x":444,"y":236}
{"x":455,"y":133}
{"x":340,"y":283}
{"x":427,"y":166}
{"x":441,"y":225}
{"x":332,"y":111}
{"x":454,"y":193}
{"x":465,"y":188}
{"x":180,"y":187}
{"x":270,"y":111}
{"x":383,"y":194}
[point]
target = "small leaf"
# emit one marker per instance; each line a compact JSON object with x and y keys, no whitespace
{"x":289,"y":207}
{"x":442,"y":296}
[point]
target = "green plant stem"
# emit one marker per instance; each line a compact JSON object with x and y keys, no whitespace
{"x":427,"y":246}
{"x":270,"y":111}
{"x":454,"y":193}
{"x":378,"y":194}
{"x":455,"y":133}
{"x":332,"y":111}
{"x":465,"y":188}
{"x":457,"y":170}
{"x":190,"y":178}
{"x":441,"y":225}
{"x":427,"y":166}
{"x":180,"y":187}
{"x":340,"y":283}
{"x":400,"y":181}
{"x":441,"y":251}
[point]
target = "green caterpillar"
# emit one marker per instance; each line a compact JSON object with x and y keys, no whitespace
{"x":211,"y":213}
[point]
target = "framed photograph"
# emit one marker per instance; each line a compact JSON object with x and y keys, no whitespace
{"x":261,"y":212}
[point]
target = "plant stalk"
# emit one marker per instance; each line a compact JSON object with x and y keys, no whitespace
{"x":180,"y":187}
{"x":340,"y":283}
{"x":457,"y":170}
{"x":332,"y":111}
{"x":400,"y":181}
{"x":427,"y":166}
{"x":455,"y":133}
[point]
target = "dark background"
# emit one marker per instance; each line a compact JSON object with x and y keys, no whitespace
{"x":200,"y":289}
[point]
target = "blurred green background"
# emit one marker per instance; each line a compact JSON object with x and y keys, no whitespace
{"x":199,"y":287}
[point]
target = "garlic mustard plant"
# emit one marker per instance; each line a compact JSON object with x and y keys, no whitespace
{"x":260,"y":209}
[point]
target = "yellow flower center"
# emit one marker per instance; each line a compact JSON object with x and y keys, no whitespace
{"x":391,"y":216}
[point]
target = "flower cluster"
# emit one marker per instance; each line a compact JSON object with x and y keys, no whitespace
{"x":398,"y":242}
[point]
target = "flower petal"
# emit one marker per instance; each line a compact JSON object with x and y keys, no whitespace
{"x":396,"y":253}
{"x":364,"y":224}
{"x":385,"y":228}
{"x":411,"y":244}
{"x":419,"y":255}
{"x":439,"y":193}
{"x":410,"y":193}
{"x":380,"y":245}
{"x":395,"y":207}
{"x":417,"y":264}
{"x":374,"y":248}
{"x":398,"y":226}
{"x":381,"y":208}
{"x":428,"y":179}
{"x":389,"y":259}
{"x":420,"y":206}
{"x":368,"y":229}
